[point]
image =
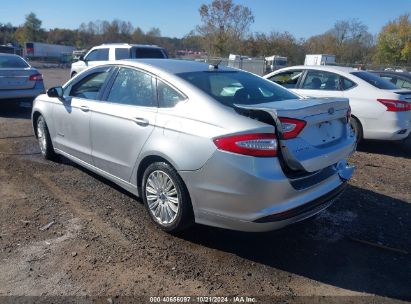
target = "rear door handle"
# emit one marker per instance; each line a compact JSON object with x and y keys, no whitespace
{"x":84,"y":108}
{"x":140,"y":121}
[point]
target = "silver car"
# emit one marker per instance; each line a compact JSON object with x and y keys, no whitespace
{"x":18,"y":80}
{"x":199,"y":143}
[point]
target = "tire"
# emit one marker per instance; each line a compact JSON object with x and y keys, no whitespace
{"x":356,"y":126}
{"x":73,"y":74}
{"x":44,"y":139}
{"x":166,"y":198}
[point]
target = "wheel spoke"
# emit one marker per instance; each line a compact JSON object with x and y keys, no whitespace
{"x":173,"y":207}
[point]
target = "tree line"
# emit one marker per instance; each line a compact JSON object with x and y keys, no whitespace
{"x":225,"y":28}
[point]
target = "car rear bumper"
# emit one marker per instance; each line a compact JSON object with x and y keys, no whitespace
{"x":28,"y":93}
{"x":390,"y":126}
{"x":253,"y":194}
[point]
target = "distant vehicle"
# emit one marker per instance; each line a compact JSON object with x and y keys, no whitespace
{"x":47,"y":50}
{"x":275,"y":62}
{"x":319,"y":59}
{"x":379,"y":109}
{"x":18,"y":80}
{"x":401,"y":80}
{"x":259,"y":66}
{"x":116,"y":51}
{"x":11,"y":49}
{"x":170,"y":132}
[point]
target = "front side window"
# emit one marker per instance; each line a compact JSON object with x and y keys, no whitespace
{"x":398,"y":82}
{"x":320,"y":80}
{"x":98,"y":55}
{"x":122,"y":53}
{"x":11,"y":61}
{"x":403,"y":84}
{"x":167,"y":96}
{"x":89,"y":87}
{"x":287,"y":79}
{"x":236,"y":87}
{"x":375,"y":80}
{"x":132,"y":87}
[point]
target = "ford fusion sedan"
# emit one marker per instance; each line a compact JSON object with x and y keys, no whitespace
{"x":18,"y":80}
{"x":380,"y":110}
{"x":199,"y":143}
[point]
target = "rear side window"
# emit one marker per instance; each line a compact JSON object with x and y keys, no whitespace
{"x":167,"y":96}
{"x":122,"y":53}
{"x":148,"y":53}
{"x":321,"y":80}
{"x":287,"y":79}
{"x":90,"y":86}
{"x":133,"y":87}
{"x":7,"y":61}
{"x":375,"y":80}
{"x":347,"y":84}
{"x":232,"y":87}
{"x":98,"y":55}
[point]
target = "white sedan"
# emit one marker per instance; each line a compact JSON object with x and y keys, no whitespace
{"x":379,"y":109}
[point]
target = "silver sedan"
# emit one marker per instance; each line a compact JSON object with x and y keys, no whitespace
{"x":18,"y":80}
{"x":199,"y":143}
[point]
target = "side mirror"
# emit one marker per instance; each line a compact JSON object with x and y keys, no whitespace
{"x":56,"y":92}
{"x":81,"y":57}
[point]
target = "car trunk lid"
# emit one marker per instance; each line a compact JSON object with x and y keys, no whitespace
{"x":16,"y":79}
{"x":325,"y":139}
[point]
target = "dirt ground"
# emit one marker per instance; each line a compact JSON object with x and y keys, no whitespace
{"x":101,"y":241}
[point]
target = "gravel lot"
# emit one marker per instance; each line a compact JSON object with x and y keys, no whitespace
{"x":102,"y":243}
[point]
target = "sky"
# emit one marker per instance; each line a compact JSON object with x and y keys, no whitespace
{"x":176,"y":18}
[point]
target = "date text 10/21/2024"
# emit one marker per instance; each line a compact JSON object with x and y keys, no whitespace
{"x":203,"y":299}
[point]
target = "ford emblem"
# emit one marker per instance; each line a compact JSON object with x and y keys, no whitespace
{"x":331,"y":111}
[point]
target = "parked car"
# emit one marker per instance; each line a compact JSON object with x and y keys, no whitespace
{"x":401,"y":80}
{"x":116,"y":51}
{"x":18,"y":80}
{"x":379,"y":109}
{"x":253,"y":158}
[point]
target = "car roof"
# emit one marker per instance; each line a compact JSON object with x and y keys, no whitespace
{"x":171,"y":66}
{"x":393,"y":73}
{"x":128,"y":45}
{"x":330,"y":68}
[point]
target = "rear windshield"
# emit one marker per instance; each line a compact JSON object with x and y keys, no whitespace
{"x":149,"y":53}
{"x":375,"y":80}
{"x":7,"y":62}
{"x":232,"y":87}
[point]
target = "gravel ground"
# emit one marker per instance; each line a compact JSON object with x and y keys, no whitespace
{"x":101,"y":242}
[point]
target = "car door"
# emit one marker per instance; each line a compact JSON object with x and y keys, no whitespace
{"x":317,"y":83}
{"x":123,"y":121}
{"x":72,"y":115}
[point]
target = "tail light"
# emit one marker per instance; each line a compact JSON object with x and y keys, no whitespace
{"x":259,"y":144}
{"x":36,"y":77}
{"x":291,"y":127}
{"x":396,"y":105}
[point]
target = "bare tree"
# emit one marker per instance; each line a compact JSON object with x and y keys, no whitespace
{"x":224,"y":26}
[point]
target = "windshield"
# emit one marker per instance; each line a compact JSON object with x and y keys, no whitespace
{"x":235,"y":87}
{"x":375,"y":80}
{"x":10,"y":61}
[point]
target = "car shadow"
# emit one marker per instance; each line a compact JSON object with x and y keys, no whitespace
{"x":14,"y":110}
{"x":399,"y":149}
{"x":361,"y":243}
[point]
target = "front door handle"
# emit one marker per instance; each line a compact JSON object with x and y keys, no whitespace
{"x":84,"y":108}
{"x":140,"y":121}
